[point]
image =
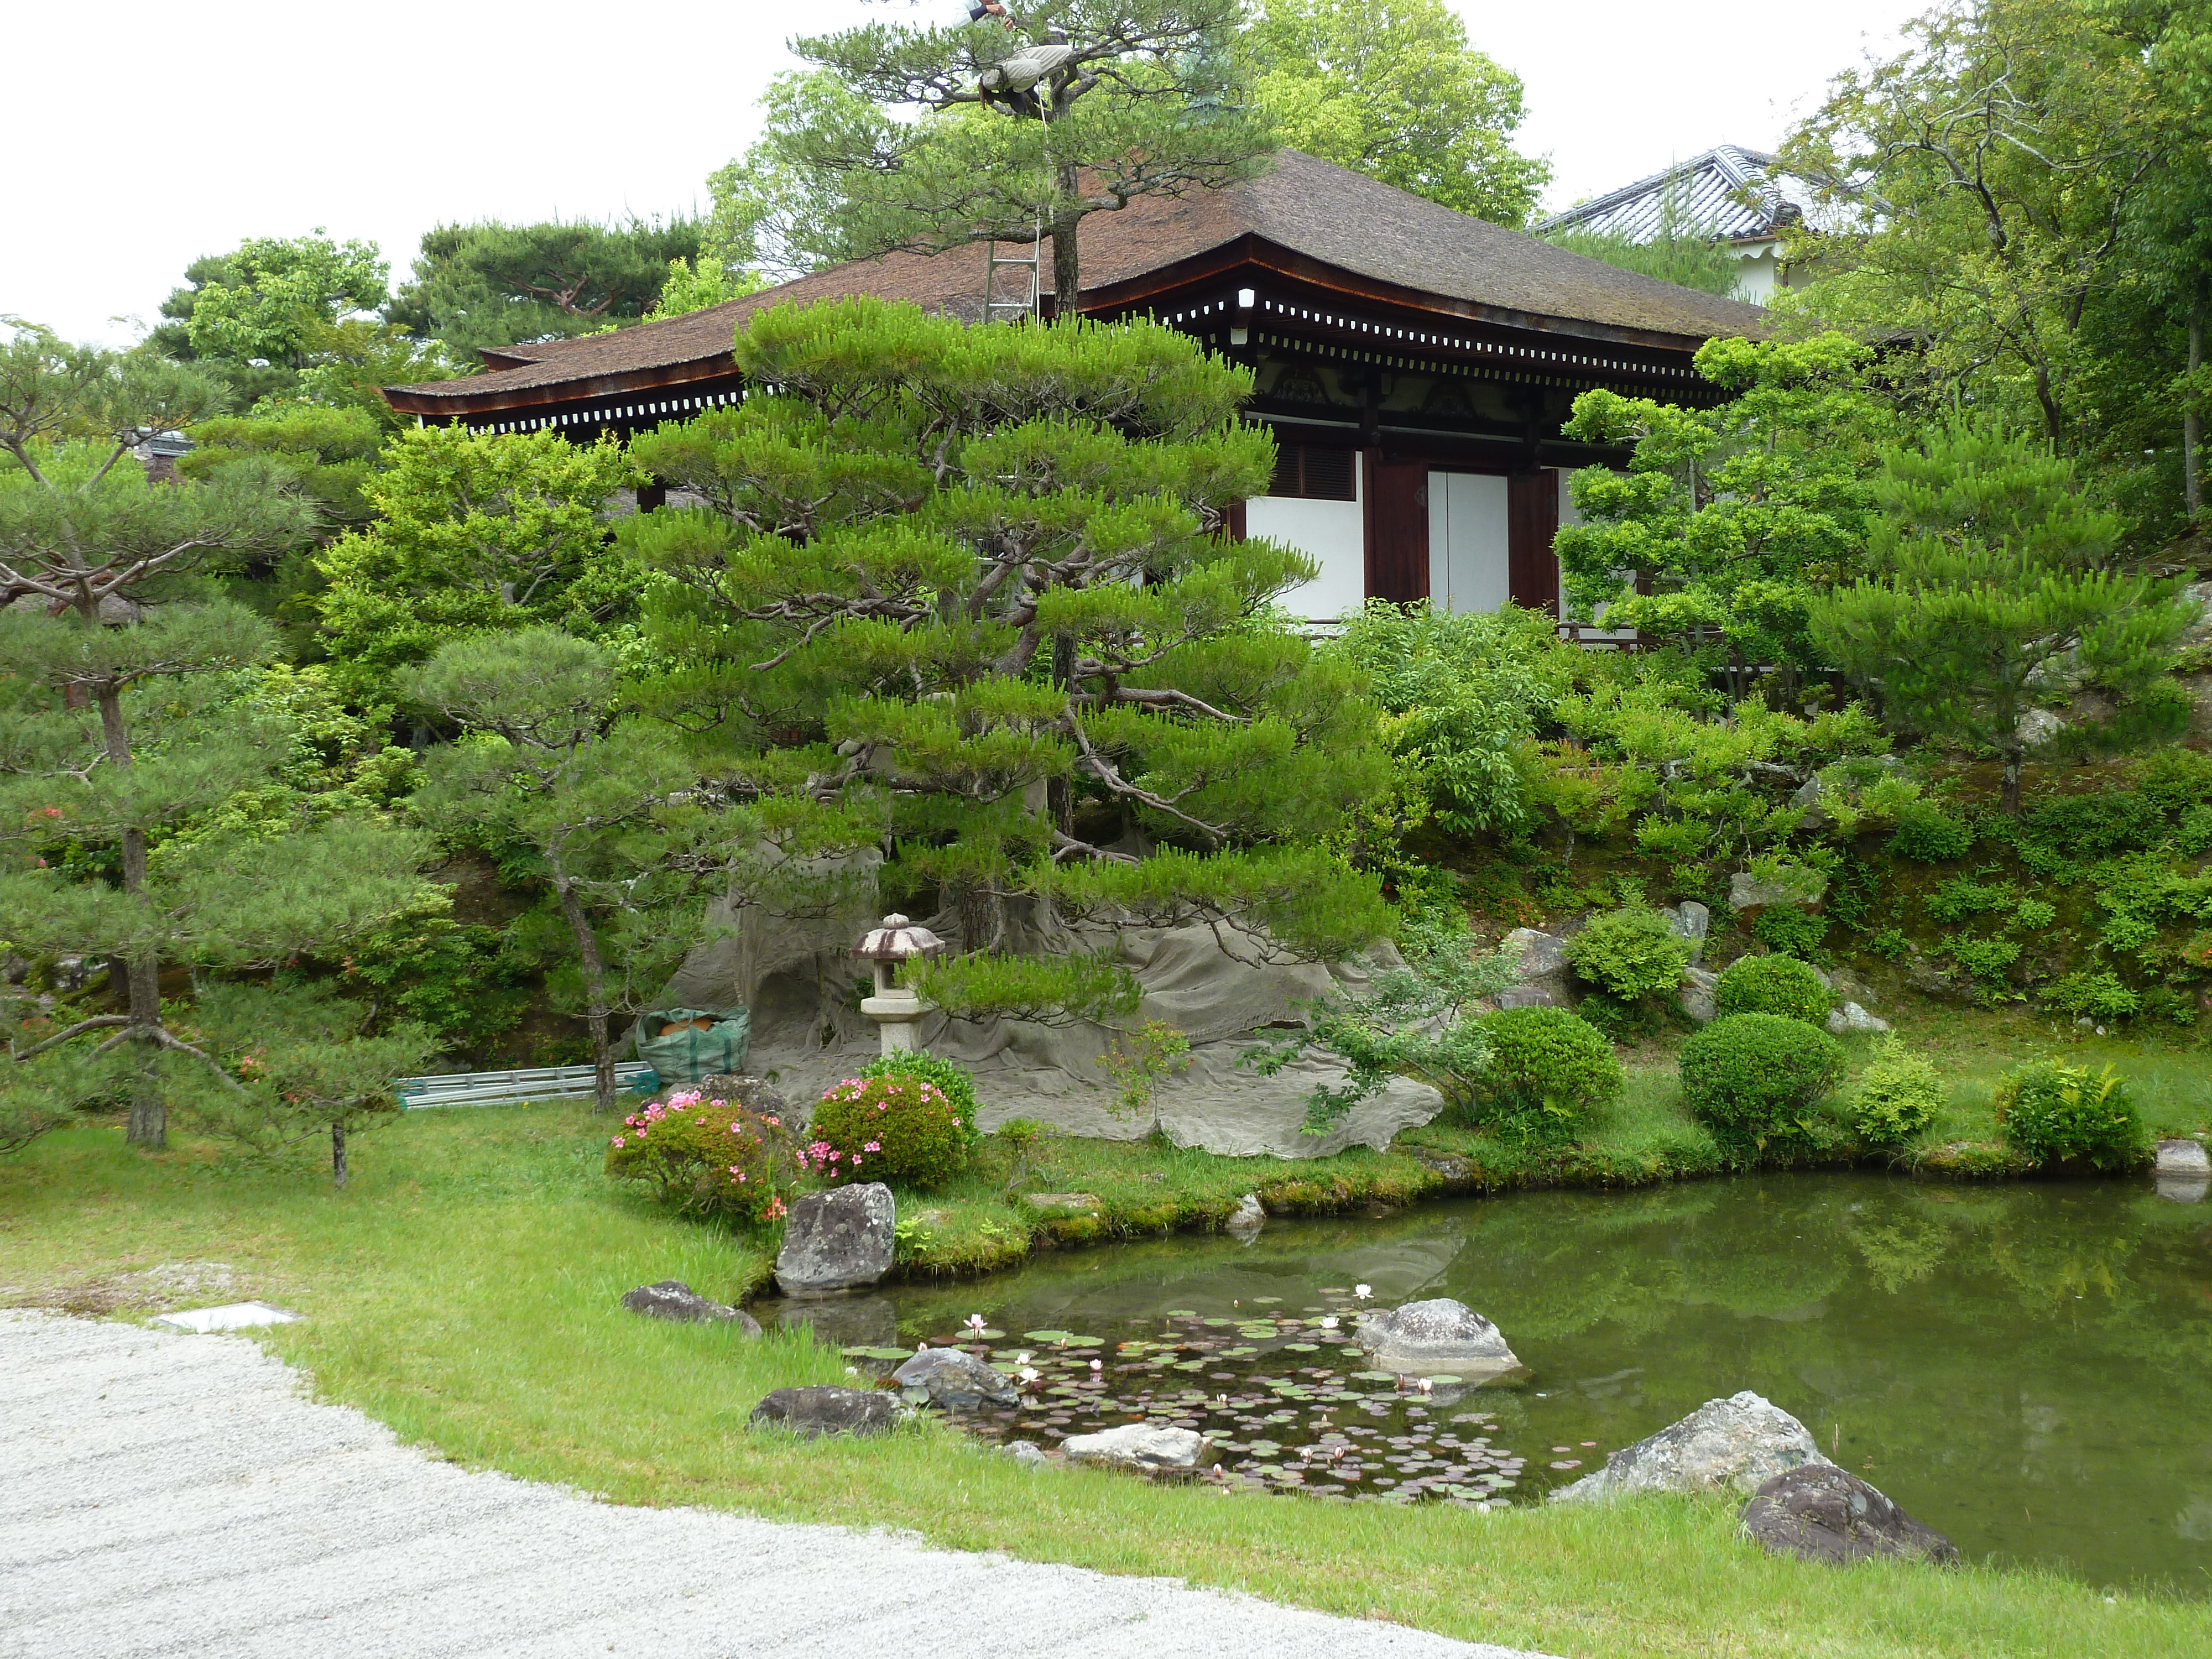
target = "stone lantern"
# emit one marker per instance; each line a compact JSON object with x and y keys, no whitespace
{"x":895,"y":1007}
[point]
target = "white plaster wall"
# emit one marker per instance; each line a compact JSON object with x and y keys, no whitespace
{"x":1333,"y":533}
{"x":1468,"y":546}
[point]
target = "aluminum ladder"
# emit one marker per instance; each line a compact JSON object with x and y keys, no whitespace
{"x":997,"y":310}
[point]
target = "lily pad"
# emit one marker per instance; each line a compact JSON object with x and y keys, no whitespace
{"x":1302,"y":1347}
{"x":877,"y":1353}
{"x":1045,"y":1336}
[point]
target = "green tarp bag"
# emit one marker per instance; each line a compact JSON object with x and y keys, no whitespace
{"x":688,"y":1054}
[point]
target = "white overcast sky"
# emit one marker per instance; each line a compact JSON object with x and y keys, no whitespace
{"x":166,"y":132}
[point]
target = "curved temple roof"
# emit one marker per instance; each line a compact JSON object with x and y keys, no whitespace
{"x":1731,"y":192}
{"x":1304,"y":217}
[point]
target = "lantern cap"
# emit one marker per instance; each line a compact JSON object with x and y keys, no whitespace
{"x":896,"y":940}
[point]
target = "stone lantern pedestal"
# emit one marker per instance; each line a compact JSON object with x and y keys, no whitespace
{"x":895,"y":1007}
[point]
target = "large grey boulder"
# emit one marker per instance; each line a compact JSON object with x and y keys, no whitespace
{"x":672,"y":1298}
{"x":1138,"y":1446}
{"x":812,"y":1413}
{"x":1541,"y":971}
{"x":1822,"y":1513}
{"x":952,"y":1377}
{"x":1735,"y":1444}
{"x":840,"y":1240}
{"x":1436,"y":1338}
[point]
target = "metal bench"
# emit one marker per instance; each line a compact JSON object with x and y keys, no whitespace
{"x":520,"y":1087}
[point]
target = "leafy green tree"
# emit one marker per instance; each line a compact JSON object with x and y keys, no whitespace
{"x":1975,"y":193}
{"x":1077,"y":106}
{"x":272,"y":295}
{"x":1729,"y":519}
{"x":977,"y":576}
{"x":695,"y":284}
{"x":487,"y":285}
{"x":474,"y":531}
{"x":1393,"y":90}
{"x":1997,"y":587}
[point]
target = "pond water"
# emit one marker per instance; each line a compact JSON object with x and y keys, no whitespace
{"x":2025,"y":1367}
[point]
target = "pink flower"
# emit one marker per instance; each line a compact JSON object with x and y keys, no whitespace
{"x":871,"y":1146}
{"x":619,"y":1140}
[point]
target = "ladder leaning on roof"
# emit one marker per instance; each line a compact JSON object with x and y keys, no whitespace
{"x":996,"y":309}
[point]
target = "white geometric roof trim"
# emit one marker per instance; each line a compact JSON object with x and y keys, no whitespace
{"x":1714,"y":193}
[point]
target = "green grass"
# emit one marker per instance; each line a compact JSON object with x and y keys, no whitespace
{"x":463,"y":1290}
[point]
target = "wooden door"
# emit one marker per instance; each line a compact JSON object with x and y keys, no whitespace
{"x":1397,"y":529}
{"x":1533,"y":519}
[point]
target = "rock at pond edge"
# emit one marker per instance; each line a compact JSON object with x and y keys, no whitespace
{"x":812,"y":1413}
{"x":1735,"y":1444}
{"x":1822,"y":1513}
{"x":1436,"y":1336}
{"x":1139,"y":1446}
{"x":840,"y":1240}
{"x":954,"y":1377}
{"x":672,"y":1298}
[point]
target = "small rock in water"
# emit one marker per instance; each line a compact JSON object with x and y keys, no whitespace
{"x":1248,"y":1219}
{"x":1738,"y":1444}
{"x":1138,"y":1446}
{"x":1438,"y":1336}
{"x":954,"y":1377}
{"x":2183,"y":1157}
{"x":672,"y":1298}
{"x":1822,"y":1513}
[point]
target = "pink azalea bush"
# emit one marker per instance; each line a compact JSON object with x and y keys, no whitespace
{"x":897,"y":1127}
{"x":708,"y":1157}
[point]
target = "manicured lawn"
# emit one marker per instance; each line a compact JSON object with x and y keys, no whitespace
{"x":463,"y":1290}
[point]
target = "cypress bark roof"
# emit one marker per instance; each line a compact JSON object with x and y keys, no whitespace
{"x":1397,"y":247}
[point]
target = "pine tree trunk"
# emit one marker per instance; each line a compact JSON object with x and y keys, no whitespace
{"x":2192,"y":419}
{"x":2012,"y":771}
{"x":150,"y":1124}
{"x":1066,"y":267}
{"x":337,"y":1152}
{"x":595,"y":994}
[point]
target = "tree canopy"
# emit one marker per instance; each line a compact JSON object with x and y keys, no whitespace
{"x":1393,"y":90}
{"x":490,"y":284}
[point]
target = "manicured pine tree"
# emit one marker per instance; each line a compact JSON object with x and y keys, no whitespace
{"x":1999,"y":585}
{"x":976,"y":582}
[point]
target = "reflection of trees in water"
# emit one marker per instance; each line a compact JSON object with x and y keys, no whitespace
{"x":1899,"y":1247}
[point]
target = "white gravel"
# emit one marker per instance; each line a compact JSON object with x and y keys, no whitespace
{"x":169,"y":1494}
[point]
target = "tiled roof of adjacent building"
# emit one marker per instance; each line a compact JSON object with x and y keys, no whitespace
{"x":1728,"y":192}
{"x":1300,"y":213}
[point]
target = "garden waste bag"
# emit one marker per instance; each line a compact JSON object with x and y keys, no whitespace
{"x":685,"y":1044}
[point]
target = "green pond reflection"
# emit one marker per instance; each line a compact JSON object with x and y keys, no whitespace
{"x":2028,"y":1369}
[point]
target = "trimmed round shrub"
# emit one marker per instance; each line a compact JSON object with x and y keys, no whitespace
{"x":1926,"y":835}
{"x":1898,"y":1095}
{"x":1773,"y":985}
{"x":1630,"y":953}
{"x":1753,"y":1078}
{"x":898,"y":1128}
{"x":2054,"y":1113}
{"x":955,"y":1081}
{"x":1548,"y":1069}
{"x":708,"y":1157}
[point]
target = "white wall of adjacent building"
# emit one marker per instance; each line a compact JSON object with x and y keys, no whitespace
{"x":1334,"y":533}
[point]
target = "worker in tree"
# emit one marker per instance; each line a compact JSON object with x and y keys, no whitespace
{"x":1012,"y":82}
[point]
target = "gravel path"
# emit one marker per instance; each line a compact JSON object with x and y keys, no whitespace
{"x":167,"y":1494}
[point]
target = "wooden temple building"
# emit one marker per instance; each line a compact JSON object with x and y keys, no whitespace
{"x":1414,"y":363}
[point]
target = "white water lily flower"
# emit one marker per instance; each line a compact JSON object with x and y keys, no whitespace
{"x":1028,"y":1373}
{"x":1328,"y":1321}
{"x":1362,"y":1291}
